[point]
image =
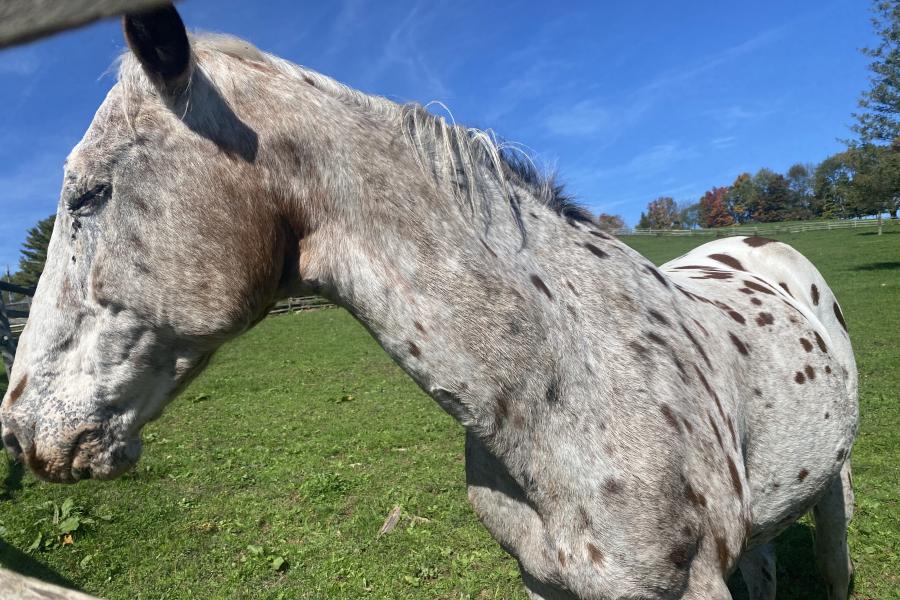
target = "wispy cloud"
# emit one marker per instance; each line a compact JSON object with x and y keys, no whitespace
{"x":649,"y":162}
{"x":22,"y":61}
{"x":733,"y":115}
{"x":720,"y":143}
{"x":403,"y":50}
{"x":584,"y":118}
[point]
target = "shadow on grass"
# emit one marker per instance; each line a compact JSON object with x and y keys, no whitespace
{"x":879,"y":266}
{"x":797,"y":575}
{"x":15,"y":560}
{"x":11,"y":557}
{"x":893,"y":232}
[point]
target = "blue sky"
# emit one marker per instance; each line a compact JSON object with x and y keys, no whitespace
{"x":628,"y":101}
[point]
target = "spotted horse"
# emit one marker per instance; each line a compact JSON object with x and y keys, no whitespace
{"x":631,"y":432}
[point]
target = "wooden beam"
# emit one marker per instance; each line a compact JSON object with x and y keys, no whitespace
{"x":23,"y":21}
{"x":19,"y":587}
{"x":16,"y":289}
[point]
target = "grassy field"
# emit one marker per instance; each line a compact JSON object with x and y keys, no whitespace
{"x":272,"y":474}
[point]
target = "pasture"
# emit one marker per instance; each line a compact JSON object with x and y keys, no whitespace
{"x":272,"y":474}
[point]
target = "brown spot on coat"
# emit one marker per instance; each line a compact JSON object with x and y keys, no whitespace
{"x":697,"y":345}
{"x":700,"y":327}
{"x":671,"y":419}
{"x":655,"y":272}
{"x":716,"y":431}
{"x":802,"y":474}
{"x":656,"y":339}
{"x":820,"y":342}
{"x":785,"y":287}
{"x":759,"y":288}
{"x":814,"y":292}
{"x":810,"y":372}
{"x":601,"y":234}
{"x":414,"y":350}
{"x":764,"y":319}
{"x":17,"y":391}
{"x":539,"y":284}
{"x":737,"y":316}
{"x":561,"y":557}
{"x":658,"y":317}
{"x":756,"y":301}
{"x":572,"y":288}
{"x":756,"y":241}
{"x":807,"y":345}
{"x":596,"y":251}
{"x":828,"y":369}
{"x":419,"y":327}
{"x":728,"y":260}
{"x":595,"y":554}
{"x":839,"y":315}
{"x":741,"y":346}
{"x":799,"y":377}
{"x":612,"y":486}
{"x":641,"y":350}
{"x":735,"y":478}
{"x":745,"y":290}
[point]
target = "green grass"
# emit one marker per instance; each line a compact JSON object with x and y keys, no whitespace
{"x":302,"y":435}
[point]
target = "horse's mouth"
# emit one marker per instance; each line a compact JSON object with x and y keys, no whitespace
{"x":91,"y":455}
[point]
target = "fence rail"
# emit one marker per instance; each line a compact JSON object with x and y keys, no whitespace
{"x":762,"y":229}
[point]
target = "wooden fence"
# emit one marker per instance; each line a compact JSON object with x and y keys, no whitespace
{"x":12,"y":320}
{"x":763,"y":229}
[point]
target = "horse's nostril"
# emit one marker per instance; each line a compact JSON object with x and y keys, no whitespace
{"x":12,"y":444}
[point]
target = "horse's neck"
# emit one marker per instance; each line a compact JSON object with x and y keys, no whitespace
{"x":477,"y":319}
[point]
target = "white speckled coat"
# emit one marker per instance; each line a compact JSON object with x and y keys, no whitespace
{"x":632,"y":432}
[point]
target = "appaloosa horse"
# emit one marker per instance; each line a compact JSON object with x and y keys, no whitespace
{"x":632,"y":432}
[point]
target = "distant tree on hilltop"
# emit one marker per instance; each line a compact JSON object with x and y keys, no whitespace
{"x":714,"y":210}
{"x":662,"y":213}
{"x":878,"y":120}
{"x":610,"y":222}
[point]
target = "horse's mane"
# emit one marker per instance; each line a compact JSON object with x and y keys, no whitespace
{"x":472,"y":159}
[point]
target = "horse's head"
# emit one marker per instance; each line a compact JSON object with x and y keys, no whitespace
{"x":153,"y":263}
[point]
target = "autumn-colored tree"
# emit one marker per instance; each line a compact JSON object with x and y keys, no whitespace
{"x":662,"y":213}
{"x":740,"y":198}
{"x":714,"y":210}
{"x":610,"y":222}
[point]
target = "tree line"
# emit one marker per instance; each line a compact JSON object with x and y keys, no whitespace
{"x":861,"y":181}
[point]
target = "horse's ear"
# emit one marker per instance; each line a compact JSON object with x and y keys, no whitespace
{"x":159,"y":41}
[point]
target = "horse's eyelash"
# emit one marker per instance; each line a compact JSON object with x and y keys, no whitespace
{"x":86,"y":198}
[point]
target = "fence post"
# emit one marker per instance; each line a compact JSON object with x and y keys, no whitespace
{"x":7,"y":343}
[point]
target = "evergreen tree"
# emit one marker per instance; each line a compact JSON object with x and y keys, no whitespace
{"x":878,"y":122}
{"x":34,"y":253}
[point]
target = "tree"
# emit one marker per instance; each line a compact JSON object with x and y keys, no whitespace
{"x":34,"y":253}
{"x":689,"y":214}
{"x":799,"y":178}
{"x":875,"y":184}
{"x":662,"y":213}
{"x":610,"y":222}
{"x":773,"y":196}
{"x":832,"y":186}
{"x":740,"y":198}
{"x":643,"y":222}
{"x":713,"y":209}
{"x":880,"y":104}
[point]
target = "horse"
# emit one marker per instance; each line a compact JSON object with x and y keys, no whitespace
{"x":631,"y":431}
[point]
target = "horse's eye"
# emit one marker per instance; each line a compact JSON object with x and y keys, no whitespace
{"x":90,"y":198}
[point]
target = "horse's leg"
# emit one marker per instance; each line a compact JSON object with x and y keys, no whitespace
{"x":758,"y":568}
{"x":832,"y":515}
{"x":504,"y":510}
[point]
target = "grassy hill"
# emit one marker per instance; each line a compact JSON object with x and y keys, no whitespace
{"x":302,"y":436}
